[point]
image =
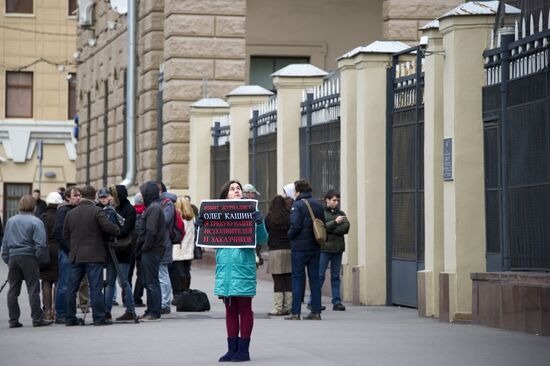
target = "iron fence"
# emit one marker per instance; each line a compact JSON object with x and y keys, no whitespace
{"x":516,"y":112}
{"x":320,"y":137}
{"x":219,"y":154}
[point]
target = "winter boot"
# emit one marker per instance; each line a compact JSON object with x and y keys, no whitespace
{"x":287,"y":307}
{"x":242,"y":353}
{"x":278,"y":305}
{"x":232,"y":345}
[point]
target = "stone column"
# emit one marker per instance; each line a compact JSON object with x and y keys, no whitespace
{"x":241,"y":101}
{"x":291,"y":81}
{"x":428,"y":279}
{"x":348,"y":171}
{"x":464,"y":39}
{"x":200,"y":137}
{"x":371,"y":63}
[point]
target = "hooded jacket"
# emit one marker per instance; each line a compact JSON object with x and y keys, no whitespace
{"x":167,"y":202}
{"x":300,"y":233}
{"x":62,"y":211}
{"x":152,"y":233}
{"x":125,"y":209}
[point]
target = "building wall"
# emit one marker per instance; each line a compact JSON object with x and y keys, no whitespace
{"x":40,"y":42}
{"x":321,"y":29}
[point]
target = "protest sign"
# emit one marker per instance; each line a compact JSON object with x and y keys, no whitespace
{"x":227,"y":224}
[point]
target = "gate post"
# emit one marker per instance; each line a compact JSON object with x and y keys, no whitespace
{"x":428,"y":279}
{"x":371,"y":63}
{"x":348,"y":171}
{"x":290,"y":82}
{"x":241,"y":101}
{"x":200,"y":137}
{"x":465,"y":36}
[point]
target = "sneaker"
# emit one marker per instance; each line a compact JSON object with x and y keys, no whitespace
{"x":323,"y":307}
{"x":103,"y":322}
{"x":149,"y":318}
{"x":73,"y":322}
{"x":292,"y":317}
{"x":338,"y":307}
{"x":165,"y":311}
{"x":42,"y":323}
{"x":126,"y":317}
{"x":312,"y":316}
{"x":16,"y":325}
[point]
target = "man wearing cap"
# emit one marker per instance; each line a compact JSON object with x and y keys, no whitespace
{"x":250,"y":192}
{"x":103,"y":197}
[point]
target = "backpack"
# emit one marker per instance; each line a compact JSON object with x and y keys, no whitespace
{"x":177,"y":227}
{"x":192,"y":300}
{"x":115,"y":218}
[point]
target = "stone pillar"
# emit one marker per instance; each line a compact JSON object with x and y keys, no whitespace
{"x":464,"y":39}
{"x":200,"y":137}
{"x":291,"y":81}
{"x":428,"y":279}
{"x":348,"y":169}
{"x":241,"y":100}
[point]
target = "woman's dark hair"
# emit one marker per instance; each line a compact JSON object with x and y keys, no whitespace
{"x":225,"y":188}
{"x":332,"y":193}
{"x":302,"y":186}
{"x":279,"y":213}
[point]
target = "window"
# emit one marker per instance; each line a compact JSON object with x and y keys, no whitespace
{"x":12,"y":194}
{"x":19,"y":7}
{"x":19,"y":94}
{"x":71,"y":84}
{"x":262,"y":67}
{"x":72,"y":7}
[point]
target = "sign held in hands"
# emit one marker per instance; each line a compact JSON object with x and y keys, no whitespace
{"x":227,"y":224}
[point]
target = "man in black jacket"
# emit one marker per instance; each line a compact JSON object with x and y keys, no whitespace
{"x":84,"y":228}
{"x":305,"y":251}
{"x":72,"y":199}
{"x":151,"y":247}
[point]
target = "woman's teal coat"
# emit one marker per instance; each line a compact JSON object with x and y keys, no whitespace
{"x":236,"y":268}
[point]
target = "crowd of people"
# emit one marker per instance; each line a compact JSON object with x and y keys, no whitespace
{"x":69,"y":241}
{"x":64,"y":246}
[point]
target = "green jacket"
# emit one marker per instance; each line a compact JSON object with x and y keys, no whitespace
{"x":236,"y":268}
{"x":335,"y":232}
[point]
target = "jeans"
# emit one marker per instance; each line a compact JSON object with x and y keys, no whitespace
{"x":94,"y":271}
{"x":24,"y":267}
{"x":125,"y":285}
{"x":302,"y":259}
{"x":335,"y":260}
{"x":62,"y":281}
{"x":150,"y":262}
{"x":165,"y":286}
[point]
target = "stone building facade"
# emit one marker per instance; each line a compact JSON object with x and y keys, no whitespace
{"x":205,"y":48}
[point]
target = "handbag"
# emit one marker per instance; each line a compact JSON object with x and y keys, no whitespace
{"x":319,"y":229}
{"x":197,"y":252}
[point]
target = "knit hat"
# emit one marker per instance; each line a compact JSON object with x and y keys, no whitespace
{"x":54,"y":198}
{"x":138,"y":199}
{"x":248,"y":188}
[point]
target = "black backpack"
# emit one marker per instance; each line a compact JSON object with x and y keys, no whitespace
{"x":192,"y":300}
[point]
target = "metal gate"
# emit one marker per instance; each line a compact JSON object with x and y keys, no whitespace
{"x":219,"y":156}
{"x":405,"y":176}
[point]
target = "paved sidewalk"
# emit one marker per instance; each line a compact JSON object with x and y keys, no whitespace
{"x":359,"y":336}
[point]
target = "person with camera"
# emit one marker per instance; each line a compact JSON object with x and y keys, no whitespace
{"x":85,"y":227}
{"x":337,"y":226}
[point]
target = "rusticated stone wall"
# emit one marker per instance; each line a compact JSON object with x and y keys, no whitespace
{"x":403,"y":18}
{"x":204,"y":45}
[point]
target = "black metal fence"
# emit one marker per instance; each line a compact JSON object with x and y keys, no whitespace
{"x":219,"y":156}
{"x":263,"y":153}
{"x":406,"y":157}
{"x":320,"y":138}
{"x":516,"y":113}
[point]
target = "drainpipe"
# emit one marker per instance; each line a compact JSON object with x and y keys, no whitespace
{"x":129,"y":155}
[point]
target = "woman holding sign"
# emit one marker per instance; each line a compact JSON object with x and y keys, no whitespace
{"x":236,"y":283}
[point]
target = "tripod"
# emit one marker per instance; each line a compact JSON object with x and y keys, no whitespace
{"x":4,"y":285}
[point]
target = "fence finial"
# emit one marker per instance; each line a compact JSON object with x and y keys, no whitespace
{"x":516,"y":32}
{"x":541,"y":20}
{"x":523,"y":28}
{"x":532,"y":26}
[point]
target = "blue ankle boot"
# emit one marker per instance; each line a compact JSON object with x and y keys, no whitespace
{"x":242,"y":353}
{"x":232,"y":344}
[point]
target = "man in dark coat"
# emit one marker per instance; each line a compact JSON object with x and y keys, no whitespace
{"x":84,"y":228}
{"x":151,"y":244}
{"x":40,"y":203}
{"x":305,"y":251}
{"x":72,"y":199}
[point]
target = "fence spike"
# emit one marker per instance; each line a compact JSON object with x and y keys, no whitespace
{"x":523,"y":28}
{"x":541,"y":20}
{"x":499,"y":38}
{"x":516,"y":31}
{"x":492,"y":40}
{"x":532,"y":26}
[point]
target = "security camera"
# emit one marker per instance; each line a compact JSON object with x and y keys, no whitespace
{"x":423,"y":42}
